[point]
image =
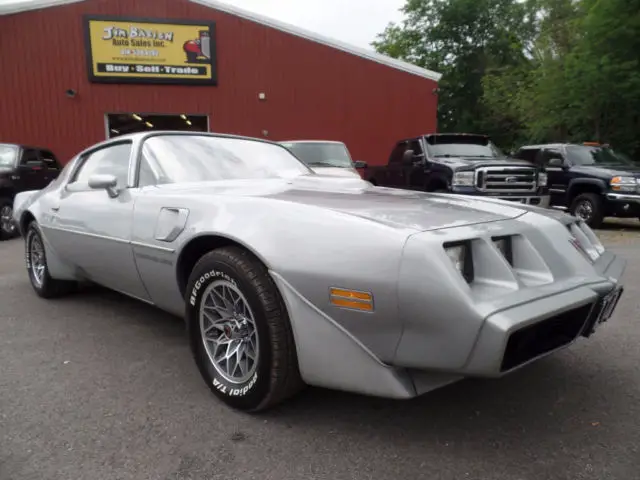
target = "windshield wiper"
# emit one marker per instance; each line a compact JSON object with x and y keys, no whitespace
{"x":322,"y":164}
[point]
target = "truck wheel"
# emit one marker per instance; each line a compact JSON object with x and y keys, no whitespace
{"x":239,"y":331}
{"x":36,"y":260}
{"x":588,"y":207}
{"x":7,"y":225}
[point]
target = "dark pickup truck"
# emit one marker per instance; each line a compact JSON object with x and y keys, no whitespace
{"x":459,"y":163}
{"x":590,"y":180}
{"x":22,"y":168}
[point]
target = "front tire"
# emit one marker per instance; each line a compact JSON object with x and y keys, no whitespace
{"x":239,"y":331}
{"x":588,"y":207}
{"x":8,"y":228}
{"x":36,"y":260}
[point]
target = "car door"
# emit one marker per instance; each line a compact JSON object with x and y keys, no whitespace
{"x":556,"y":166}
{"x":395,"y":169}
{"x":30,"y":170}
{"x":93,"y":229}
{"x":51,"y":167}
{"x":416,"y":175}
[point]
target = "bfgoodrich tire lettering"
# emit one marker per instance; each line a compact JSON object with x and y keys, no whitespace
{"x":37,"y":268}
{"x":274,"y":376}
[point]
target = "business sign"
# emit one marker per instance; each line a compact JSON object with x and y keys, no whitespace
{"x":131,"y":50}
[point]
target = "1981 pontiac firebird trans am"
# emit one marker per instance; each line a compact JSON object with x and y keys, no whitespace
{"x":286,"y":277}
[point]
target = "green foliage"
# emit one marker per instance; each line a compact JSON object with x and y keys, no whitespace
{"x":529,"y":70}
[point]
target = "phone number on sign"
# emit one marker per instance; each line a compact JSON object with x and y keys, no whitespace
{"x":139,"y":53}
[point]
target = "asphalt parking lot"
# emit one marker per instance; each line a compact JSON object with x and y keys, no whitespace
{"x":97,"y":386}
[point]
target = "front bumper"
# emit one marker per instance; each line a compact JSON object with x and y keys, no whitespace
{"x":623,"y":205}
{"x":522,"y":334}
{"x":514,"y":338}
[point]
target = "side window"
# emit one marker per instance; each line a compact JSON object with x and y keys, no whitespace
{"x":551,"y":157}
{"x":112,"y":160}
{"x":417,"y":148}
{"x":146,"y":176}
{"x":30,"y":158}
{"x":528,"y":154}
{"x":50,"y":161}
{"x":398,"y":151}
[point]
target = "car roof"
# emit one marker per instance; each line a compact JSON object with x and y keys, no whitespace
{"x":26,"y":146}
{"x":334,"y":142}
{"x":141,"y":136}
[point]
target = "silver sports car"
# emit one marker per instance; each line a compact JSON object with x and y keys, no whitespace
{"x":286,"y":277}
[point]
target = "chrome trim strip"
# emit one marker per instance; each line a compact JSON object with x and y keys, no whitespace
{"x":624,"y":197}
{"x":152,"y":247}
{"x":113,"y":239}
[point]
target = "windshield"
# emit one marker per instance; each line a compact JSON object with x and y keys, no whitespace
{"x":8,"y":155}
{"x":588,"y":155}
{"x":321,"y":154}
{"x":463,"y":147}
{"x":199,"y":158}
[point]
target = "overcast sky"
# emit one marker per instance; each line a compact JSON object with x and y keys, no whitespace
{"x":352,"y":21}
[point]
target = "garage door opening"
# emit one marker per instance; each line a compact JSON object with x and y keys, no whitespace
{"x":123,"y":123}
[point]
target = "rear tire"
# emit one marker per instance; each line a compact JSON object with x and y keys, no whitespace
{"x":8,"y":228}
{"x":589,"y":208}
{"x":251,"y":327}
{"x":37,"y":268}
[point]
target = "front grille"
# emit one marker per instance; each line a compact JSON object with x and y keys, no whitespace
{"x":506,"y":179}
{"x":544,"y":337}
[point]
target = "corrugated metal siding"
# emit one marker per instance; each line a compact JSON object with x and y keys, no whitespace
{"x":313,"y":91}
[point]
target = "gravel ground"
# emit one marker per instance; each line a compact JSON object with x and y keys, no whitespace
{"x":97,"y":386}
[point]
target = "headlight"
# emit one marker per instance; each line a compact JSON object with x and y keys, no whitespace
{"x":463,"y":179}
{"x":542,"y":179}
{"x":460,"y":255}
{"x":623,"y":184}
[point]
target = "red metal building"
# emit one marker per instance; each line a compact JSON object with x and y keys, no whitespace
{"x":267,"y":80}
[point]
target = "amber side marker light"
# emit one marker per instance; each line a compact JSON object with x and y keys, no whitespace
{"x":352,"y":299}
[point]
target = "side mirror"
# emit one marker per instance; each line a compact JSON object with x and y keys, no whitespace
{"x":407,"y":157}
{"x":106,"y":182}
{"x":555,"y":162}
{"x":360,"y":164}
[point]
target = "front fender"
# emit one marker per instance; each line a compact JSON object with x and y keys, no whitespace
{"x":576,"y":183}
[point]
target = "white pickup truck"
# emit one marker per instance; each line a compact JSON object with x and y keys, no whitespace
{"x":325,"y":157}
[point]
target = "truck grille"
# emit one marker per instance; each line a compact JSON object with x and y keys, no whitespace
{"x":506,"y":179}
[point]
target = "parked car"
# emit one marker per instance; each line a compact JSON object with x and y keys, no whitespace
{"x":325,"y":157}
{"x":589,"y":180}
{"x":460,"y":163}
{"x":22,"y":168}
{"x":286,"y":277}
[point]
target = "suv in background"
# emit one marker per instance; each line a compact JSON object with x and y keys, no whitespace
{"x":460,"y":163}
{"x":325,"y":157}
{"x":22,"y":168}
{"x":590,"y":180}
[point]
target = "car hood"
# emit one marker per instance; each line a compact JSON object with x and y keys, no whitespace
{"x":609,"y":170}
{"x":477,"y":162}
{"x":402,"y":209}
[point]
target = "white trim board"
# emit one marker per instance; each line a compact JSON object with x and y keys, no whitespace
{"x":13,"y":8}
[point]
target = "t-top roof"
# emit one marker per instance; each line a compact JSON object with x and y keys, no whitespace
{"x":27,"y":5}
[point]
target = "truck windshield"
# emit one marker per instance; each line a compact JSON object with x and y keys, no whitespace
{"x":7,"y":155}
{"x":592,"y":155}
{"x":321,"y":154}
{"x":456,"y":146}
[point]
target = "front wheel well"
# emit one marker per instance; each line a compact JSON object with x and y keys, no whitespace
{"x":581,"y":188}
{"x":194,"y":250}
{"x":26,"y":218}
